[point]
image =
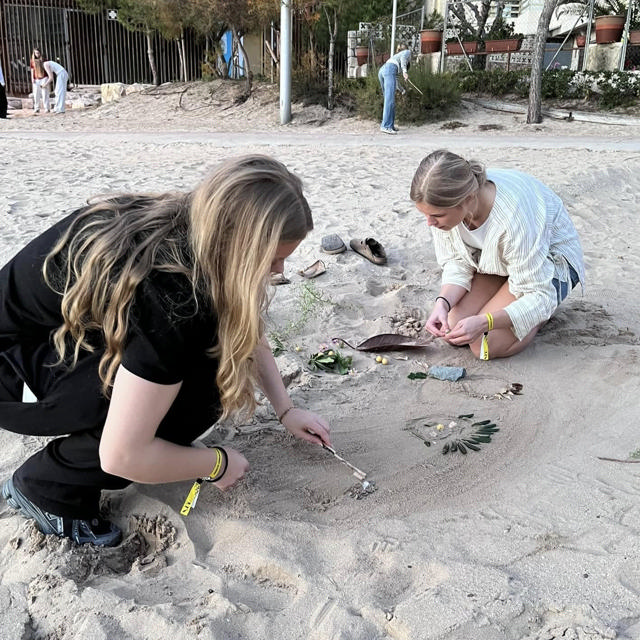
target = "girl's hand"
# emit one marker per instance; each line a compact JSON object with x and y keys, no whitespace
{"x":307,"y":426}
{"x":237,"y":466}
{"x":438,"y":322}
{"x":468,"y":330}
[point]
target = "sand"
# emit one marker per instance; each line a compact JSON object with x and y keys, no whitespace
{"x":532,"y":537}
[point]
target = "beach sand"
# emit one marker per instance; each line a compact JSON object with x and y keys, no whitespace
{"x":532,"y":537}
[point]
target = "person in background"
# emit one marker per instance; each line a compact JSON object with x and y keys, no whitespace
{"x":137,"y":323}
{"x":388,"y":77}
{"x":3,"y":95}
{"x":61,"y":77}
{"x":508,"y":250}
{"x":38,"y":82}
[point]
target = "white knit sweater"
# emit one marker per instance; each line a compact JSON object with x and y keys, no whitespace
{"x":530,"y":239}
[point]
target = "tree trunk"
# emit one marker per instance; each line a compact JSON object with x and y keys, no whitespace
{"x":534,"y":112}
{"x":152,"y":57}
{"x":184,"y":58}
{"x":332,"y":47}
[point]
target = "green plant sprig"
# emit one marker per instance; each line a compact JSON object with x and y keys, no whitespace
{"x":330,"y":360}
{"x":482,"y":435}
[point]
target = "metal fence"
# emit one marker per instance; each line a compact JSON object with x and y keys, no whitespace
{"x":93,"y":48}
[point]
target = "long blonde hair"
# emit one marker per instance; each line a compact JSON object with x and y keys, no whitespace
{"x":38,"y":63}
{"x":222,"y":236}
{"x":445,"y":179}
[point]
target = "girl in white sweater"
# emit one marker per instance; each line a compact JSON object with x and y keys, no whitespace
{"x":508,"y":250}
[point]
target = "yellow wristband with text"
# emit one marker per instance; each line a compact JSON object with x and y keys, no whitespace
{"x":489,"y":318}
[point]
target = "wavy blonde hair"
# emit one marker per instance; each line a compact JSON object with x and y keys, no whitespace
{"x":38,"y":63}
{"x":222,"y":237}
{"x":445,"y":179}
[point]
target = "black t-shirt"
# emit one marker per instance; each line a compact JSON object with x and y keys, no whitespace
{"x":169,"y":329}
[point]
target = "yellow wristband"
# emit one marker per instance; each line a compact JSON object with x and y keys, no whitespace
{"x":489,"y":318}
{"x":218,"y":465}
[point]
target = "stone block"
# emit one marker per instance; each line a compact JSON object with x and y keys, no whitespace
{"x":112,"y":92}
{"x":604,"y":57}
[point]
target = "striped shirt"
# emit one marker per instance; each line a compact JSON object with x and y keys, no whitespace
{"x":530,"y":239}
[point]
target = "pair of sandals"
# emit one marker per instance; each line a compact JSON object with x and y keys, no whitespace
{"x":368,"y":248}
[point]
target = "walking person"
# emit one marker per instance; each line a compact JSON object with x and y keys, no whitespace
{"x":3,"y":95}
{"x":388,"y":78}
{"x":61,"y":77}
{"x":508,"y":250}
{"x":137,"y":322}
{"x":39,"y":81}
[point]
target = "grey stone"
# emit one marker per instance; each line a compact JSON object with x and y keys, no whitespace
{"x":447,"y":373}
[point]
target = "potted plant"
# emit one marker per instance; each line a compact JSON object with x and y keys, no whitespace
{"x":610,"y":16}
{"x":609,"y":28}
{"x":363,"y":44}
{"x":634,"y":24}
{"x":454,"y":48}
{"x":502,"y":38}
{"x":431,"y":33}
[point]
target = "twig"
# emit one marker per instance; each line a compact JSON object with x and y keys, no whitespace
{"x":618,"y":460}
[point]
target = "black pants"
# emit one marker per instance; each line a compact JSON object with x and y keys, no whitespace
{"x":65,"y":477}
{"x":3,"y":102}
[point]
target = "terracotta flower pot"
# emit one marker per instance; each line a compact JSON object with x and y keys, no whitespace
{"x":609,"y":29}
{"x":502,"y":46}
{"x":455,"y":49}
{"x":430,"y":40}
{"x":634,"y":37}
{"x":362,"y":55}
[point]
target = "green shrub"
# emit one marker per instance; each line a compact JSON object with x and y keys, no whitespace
{"x":556,"y":83}
{"x":496,"y":83}
{"x":608,"y":89}
{"x":440,"y":95}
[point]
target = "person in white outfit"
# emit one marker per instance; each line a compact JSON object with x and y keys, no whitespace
{"x":62,"y":77}
{"x":38,"y":80}
{"x":508,"y":250}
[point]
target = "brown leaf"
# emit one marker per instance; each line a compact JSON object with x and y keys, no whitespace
{"x":387,"y":342}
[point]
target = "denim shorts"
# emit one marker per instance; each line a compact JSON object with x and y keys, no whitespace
{"x":562,"y":288}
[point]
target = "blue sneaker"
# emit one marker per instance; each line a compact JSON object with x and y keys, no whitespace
{"x":97,"y":531}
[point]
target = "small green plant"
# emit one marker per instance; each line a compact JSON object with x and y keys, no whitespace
{"x":330,"y":360}
{"x":503,"y":30}
{"x":309,"y":300}
{"x":635,"y":454}
{"x":434,"y":20}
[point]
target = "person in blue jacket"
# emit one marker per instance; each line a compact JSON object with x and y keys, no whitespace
{"x":388,"y":77}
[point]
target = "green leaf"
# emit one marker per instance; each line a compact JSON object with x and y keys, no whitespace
{"x":466,"y":415}
{"x":445,"y":449}
{"x":472,"y":445}
{"x":482,"y":422}
{"x":417,"y":375}
{"x":461,"y":448}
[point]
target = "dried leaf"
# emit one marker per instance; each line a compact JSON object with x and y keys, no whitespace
{"x":387,"y":342}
